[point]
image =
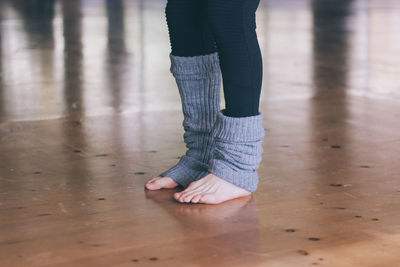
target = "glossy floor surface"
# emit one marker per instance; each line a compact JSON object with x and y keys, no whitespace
{"x":89,"y":112}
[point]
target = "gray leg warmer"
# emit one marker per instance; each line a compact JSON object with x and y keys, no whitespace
{"x":238,"y":149}
{"x":199,"y":82}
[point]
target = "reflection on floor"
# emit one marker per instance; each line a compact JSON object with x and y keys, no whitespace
{"x":89,"y":112}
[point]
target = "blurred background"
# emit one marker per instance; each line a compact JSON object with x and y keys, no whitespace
{"x":97,"y":57}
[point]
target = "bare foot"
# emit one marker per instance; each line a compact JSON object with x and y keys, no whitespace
{"x":210,"y":190}
{"x":161,"y":182}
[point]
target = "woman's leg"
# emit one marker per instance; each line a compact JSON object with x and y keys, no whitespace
{"x":195,"y":66}
{"x":195,"y":24}
{"x":234,"y":27}
{"x":189,"y":34}
{"x":238,"y":130}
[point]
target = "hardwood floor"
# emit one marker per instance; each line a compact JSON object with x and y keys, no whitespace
{"x":89,"y":112}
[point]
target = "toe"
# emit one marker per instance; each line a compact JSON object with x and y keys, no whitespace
{"x":188,"y":197}
{"x":151,"y":181}
{"x":177,"y":196}
{"x":182,"y":193}
{"x":154,"y":179}
{"x":161,"y":182}
{"x":185,"y":195}
{"x":153,"y":185}
{"x":181,"y":198}
{"x":196,"y":198}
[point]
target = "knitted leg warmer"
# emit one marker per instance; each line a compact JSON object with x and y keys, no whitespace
{"x":199,"y":80}
{"x":238,"y":149}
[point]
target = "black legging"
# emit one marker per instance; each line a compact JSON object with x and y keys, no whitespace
{"x":200,"y":27}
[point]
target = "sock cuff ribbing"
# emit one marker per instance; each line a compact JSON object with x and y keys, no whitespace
{"x":194,"y":64}
{"x":238,"y":129}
